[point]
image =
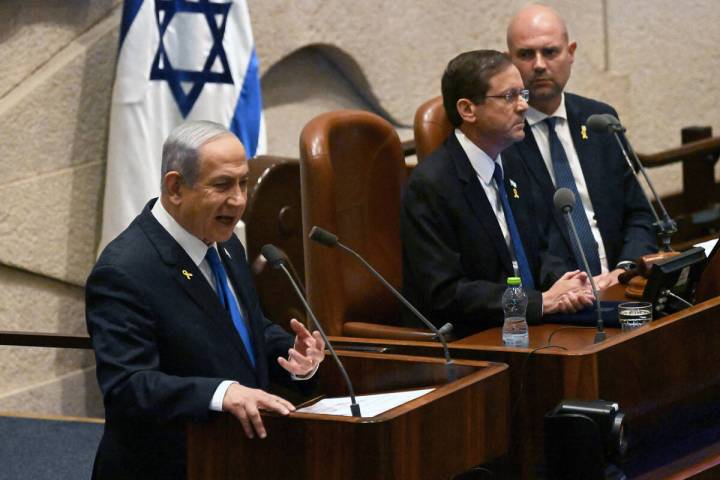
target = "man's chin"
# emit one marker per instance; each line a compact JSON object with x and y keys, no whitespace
{"x":544,"y":92}
{"x":517,"y":137}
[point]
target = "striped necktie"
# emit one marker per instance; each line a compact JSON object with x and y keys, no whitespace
{"x":564,"y":178}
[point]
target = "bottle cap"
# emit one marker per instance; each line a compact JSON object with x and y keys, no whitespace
{"x":513,"y":281}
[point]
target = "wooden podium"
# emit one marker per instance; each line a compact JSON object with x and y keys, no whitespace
{"x":665,"y":377}
{"x":460,"y":424}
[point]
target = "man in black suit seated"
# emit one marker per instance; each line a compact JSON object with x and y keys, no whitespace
{"x":175,"y":321}
{"x":612,"y":216}
{"x":467,"y":220}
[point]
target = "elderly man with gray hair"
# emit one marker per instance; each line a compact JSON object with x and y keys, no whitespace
{"x":174,"y":319}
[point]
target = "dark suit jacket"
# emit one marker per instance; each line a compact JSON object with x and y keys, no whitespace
{"x":163,"y":343}
{"x":455,"y":260}
{"x":622,"y":212}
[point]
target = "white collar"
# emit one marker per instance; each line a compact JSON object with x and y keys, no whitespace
{"x":193,"y":246}
{"x":533,"y":116}
{"x":481,"y":162}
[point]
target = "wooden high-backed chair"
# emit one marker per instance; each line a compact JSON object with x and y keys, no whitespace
{"x":431,"y":127}
{"x":273,"y":215}
{"x":352,"y":170}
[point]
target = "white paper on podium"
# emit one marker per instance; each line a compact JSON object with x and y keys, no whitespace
{"x":708,"y":246}
{"x":370,"y":405}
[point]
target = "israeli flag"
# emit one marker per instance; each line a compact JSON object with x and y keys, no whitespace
{"x":178,"y":60}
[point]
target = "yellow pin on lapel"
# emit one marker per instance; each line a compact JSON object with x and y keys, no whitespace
{"x":187,"y":274}
{"x":514,"y":188}
{"x":583,"y":132}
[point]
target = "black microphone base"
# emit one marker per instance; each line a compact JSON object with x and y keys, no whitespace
{"x":355,"y":410}
{"x":600,"y":336}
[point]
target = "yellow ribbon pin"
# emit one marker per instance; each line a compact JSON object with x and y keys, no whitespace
{"x":583,"y":132}
{"x":515,"y":193}
{"x":187,"y":274}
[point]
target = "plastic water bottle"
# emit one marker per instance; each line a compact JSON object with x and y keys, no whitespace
{"x":514,"y":302}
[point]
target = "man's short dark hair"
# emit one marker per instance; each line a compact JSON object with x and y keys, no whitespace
{"x":468,"y":76}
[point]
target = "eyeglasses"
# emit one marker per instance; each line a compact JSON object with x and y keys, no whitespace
{"x":512,"y":95}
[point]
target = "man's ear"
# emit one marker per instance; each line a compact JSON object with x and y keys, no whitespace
{"x":172,"y":183}
{"x":571,"y":51}
{"x":466,"y":110}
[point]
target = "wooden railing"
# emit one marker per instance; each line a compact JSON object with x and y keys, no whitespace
{"x":696,"y":208}
{"x":43,"y":339}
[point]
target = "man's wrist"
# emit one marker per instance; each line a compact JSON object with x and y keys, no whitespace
{"x":307,"y":376}
{"x":626,"y":265}
{"x":216,"y":402}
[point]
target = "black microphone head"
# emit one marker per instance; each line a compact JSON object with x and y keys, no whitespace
{"x":273,"y":255}
{"x":323,"y":237}
{"x":564,"y":199}
{"x":601,"y":122}
{"x":614,"y":121}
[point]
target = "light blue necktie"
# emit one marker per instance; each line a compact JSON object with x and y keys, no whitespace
{"x":227,"y":300}
{"x":523,"y":265}
{"x":564,"y":178}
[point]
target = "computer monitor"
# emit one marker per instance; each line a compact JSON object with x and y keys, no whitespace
{"x":672,"y":278}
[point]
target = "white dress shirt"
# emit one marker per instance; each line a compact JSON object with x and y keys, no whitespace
{"x":535,"y":119}
{"x":484,"y":167}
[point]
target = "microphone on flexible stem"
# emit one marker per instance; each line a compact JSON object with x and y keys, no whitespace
{"x":273,"y":255}
{"x":564,"y":200}
{"x":326,"y":238}
{"x":608,"y":123}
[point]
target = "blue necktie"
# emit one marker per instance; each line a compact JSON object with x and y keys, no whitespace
{"x":523,"y":265}
{"x":564,"y":178}
{"x":227,"y":300}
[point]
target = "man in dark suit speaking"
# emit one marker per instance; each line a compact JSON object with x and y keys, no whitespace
{"x":175,"y":321}
{"x":467,"y":220}
{"x":612,"y":216}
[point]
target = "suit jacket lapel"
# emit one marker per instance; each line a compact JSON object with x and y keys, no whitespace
{"x":479,"y":204}
{"x":532,"y":158}
{"x":530,"y":153}
{"x":585,"y":150}
{"x":191,"y":279}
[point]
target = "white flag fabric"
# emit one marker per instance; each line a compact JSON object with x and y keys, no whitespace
{"x":178,"y":60}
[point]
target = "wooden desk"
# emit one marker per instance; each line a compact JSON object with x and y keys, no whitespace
{"x":665,"y":376}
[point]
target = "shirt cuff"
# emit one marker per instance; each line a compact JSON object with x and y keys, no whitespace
{"x":305,"y":377}
{"x":216,"y":402}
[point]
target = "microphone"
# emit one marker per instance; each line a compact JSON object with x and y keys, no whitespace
{"x":604,"y":123}
{"x":277,"y":260}
{"x":564,"y":200}
{"x":608,"y":123}
{"x":328,"y":239}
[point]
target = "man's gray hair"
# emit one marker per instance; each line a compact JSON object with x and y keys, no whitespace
{"x":180,"y":150}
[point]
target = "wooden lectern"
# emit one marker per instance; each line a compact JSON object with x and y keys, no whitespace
{"x":460,"y":424}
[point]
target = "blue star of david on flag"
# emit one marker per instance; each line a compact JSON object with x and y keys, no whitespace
{"x":162,"y":68}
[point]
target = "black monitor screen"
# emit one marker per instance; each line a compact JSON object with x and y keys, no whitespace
{"x":678,"y":275}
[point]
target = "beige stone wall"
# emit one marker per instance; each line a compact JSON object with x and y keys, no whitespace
{"x":656,"y":62}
